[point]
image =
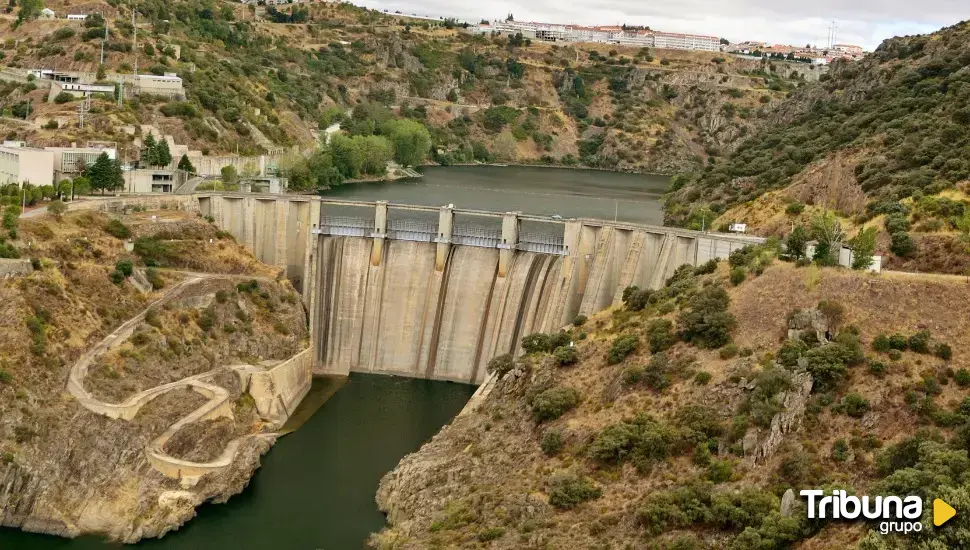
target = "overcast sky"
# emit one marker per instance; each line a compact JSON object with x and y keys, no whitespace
{"x":863,"y":22}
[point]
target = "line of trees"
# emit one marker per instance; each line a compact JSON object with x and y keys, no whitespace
{"x":156,"y":153}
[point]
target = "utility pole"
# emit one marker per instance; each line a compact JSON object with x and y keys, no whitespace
{"x":134,"y":50}
{"x":105,"y":37}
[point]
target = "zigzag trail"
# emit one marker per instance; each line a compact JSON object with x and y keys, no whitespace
{"x":217,"y":406}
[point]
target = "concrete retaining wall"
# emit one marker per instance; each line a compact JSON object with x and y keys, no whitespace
{"x":278,"y":391}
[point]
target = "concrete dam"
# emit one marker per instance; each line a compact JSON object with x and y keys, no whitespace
{"x":436,"y":292}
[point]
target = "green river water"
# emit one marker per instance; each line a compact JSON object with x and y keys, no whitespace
{"x":316,"y":487}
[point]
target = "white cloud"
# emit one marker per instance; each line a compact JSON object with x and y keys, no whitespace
{"x":865,"y":22}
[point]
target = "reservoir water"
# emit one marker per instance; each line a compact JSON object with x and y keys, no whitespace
{"x":316,"y":487}
{"x":531,"y":190}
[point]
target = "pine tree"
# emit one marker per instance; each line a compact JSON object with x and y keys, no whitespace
{"x":115,"y":179}
{"x":186,"y":165}
{"x":163,"y":155}
{"x":99,"y":174}
{"x":149,"y":150}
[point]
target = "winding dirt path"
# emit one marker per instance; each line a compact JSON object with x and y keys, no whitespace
{"x":218,"y":404}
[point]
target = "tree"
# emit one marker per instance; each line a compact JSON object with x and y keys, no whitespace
{"x":29,"y":9}
{"x":375,"y":151}
{"x":57,"y":209}
{"x":410,"y":139}
{"x":505,"y":146}
{"x":105,"y":174}
{"x":863,"y":248}
{"x":229,"y":175}
{"x":162,"y":156}
{"x":346,"y":155}
{"x":101,"y":72}
{"x":148,"y":150}
{"x":796,"y":242}
{"x":186,"y":165}
{"x":827,"y":230}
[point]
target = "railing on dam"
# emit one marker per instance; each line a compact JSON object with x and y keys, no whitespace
{"x":411,"y":230}
{"x":476,"y":235}
{"x":341,"y":226}
{"x":542,"y":243}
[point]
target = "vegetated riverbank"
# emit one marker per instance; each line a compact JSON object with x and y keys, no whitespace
{"x":684,"y":418}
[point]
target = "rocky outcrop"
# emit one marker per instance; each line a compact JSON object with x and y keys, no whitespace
{"x":783,"y":423}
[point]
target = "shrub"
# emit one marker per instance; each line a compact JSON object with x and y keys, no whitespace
{"x":568,"y":491}
{"x":719,"y":471}
{"x":705,"y":322}
{"x":579,"y":321}
{"x":881,"y":343}
{"x":117,"y":229}
{"x":57,"y":208}
{"x":943,"y":351}
{"x":500,"y":365}
{"x":895,"y":354}
{"x":559,"y":339}
{"x":125,"y":267}
{"x":840,"y":451}
{"x":833,"y":311}
{"x":855,"y":405}
{"x":248,"y":287}
{"x":660,"y":335}
{"x":536,"y":342}
{"x":738,"y":275}
{"x":920,"y":342}
{"x":565,"y":355}
{"x":706,"y":268}
{"x":795,"y":208}
{"x":899,"y":342}
{"x":207,"y":320}
{"x":655,"y":374}
{"x":635,"y":298}
{"x":702,"y":378}
{"x":790,"y":351}
{"x":962,"y":377}
{"x":622,"y":347}
{"x":551,"y":442}
{"x":877,"y":368}
{"x":902,"y":244}
{"x":154,"y":278}
{"x":553,"y":403}
{"x":729,"y":351}
{"x":490,"y":533}
{"x":63,"y":97}
{"x":116,"y":277}
{"x":153,"y":319}
{"x":5,"y":377}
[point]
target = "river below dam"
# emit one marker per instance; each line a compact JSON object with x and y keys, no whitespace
{"x":316,"y":487}
{"x":565,"y":192}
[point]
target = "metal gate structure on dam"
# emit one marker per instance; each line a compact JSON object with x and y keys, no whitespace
{"x":436,"y":292}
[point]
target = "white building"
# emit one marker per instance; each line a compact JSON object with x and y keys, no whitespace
{"x":81,"y":90}
{"x":167,"y":85}
{"x":68,"y":161}
{"x":22,"y":164}
{"x":551,"y":32}
{"x":76,"y":16}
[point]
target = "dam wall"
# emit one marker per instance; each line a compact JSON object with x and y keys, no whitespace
{"x":435,"y":293}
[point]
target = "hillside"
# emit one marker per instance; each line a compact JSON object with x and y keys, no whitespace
{"x":254,"y":84}
{"x":66,"y":470}
{"x":888,"y":135}
{"x":684,"y":423}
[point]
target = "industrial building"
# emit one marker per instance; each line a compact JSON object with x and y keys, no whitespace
{"x":20,"y":164}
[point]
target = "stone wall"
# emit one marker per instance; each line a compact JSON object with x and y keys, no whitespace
{"x":278,"y":391}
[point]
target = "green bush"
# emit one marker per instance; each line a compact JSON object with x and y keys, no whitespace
{"x":705,"y":321}
{"x":642,"y":441}
{"x":635,"y":299}
{"x":63,"y":97}
{"x":207,"y":319}
{"x":155,"y":252}
{"x":881,"y":343}
{"x":795,"y":208}
{"x":706,"y":268}
{"x":552,"y":442}
{"x":656,"y":374}
{"x":841,"y":450}
{"x":899,"y":342}
{"x":154,"y":278}
{"x":719,"y":471}
{"x":854,"y":405}
{"x":490,"y":534}
{"x":125,"y":267}
{"x":553,"y":403}
{"x":622,"y":347}
{"x":738,"y":275}
{"x":920,"y":342}
{"x":902,"y":245}
{"x":943,"y":351}
{"x":579,"y":321}
{"x":559,"y":339}
{"x":702,"y":378}
{"x":728,"y":351}
{"x":895,"y":354}
{"x":248,"y":287}
{"x":116,"y":277}
{"x":565,"y":355}
{"x":660,"y":335}
{"x":500,"y":365}
{"x":962,"y":377}
{"x":5,"y":377}
{"x":117,"y":229}
{"x":37,"y":325}
{"x":790,"y":351}
{"x":877,"y":368}
{"x":536,"y":342}
{"x":568,"y":491}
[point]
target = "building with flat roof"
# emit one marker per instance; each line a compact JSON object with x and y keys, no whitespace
{"x":69,"y":161}
{"x":81,"y":90}
{"x":167,"y":85}
{"x":21,"y":165}
{"x":606,"y":34}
